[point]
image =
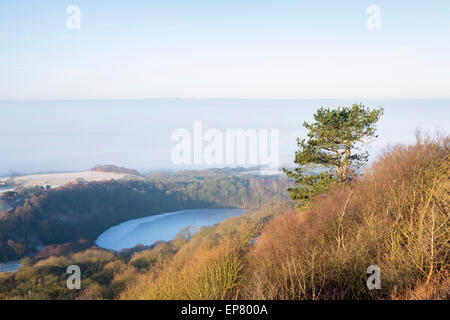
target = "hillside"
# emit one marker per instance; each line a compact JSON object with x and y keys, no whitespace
{"x":53,"y":216}
{"x":396,"y":217}
{"x":55,"y":180}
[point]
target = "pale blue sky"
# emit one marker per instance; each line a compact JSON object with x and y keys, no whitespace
{"x":224,"y":49}
{"x":208,"y":49}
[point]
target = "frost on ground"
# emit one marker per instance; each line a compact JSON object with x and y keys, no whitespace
{"x":59,"y":179}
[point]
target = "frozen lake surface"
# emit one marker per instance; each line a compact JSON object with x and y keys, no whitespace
{"x":164,"y":227}
{"x":10,"y":266}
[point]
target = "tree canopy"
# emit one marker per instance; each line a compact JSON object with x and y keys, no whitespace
{"x":333,"y":151}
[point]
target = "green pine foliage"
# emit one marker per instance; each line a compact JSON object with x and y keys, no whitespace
{"x":333,"y":151}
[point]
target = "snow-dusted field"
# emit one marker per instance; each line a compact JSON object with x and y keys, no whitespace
{"x":59,"y":179}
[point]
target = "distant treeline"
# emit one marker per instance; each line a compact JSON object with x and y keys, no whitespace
{"x":113,"y":168}
{"x":84,"y":211}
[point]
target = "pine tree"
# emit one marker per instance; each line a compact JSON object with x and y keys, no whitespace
{"x":332,"y":153}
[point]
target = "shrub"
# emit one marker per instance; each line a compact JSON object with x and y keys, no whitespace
{"x":396,"y":216}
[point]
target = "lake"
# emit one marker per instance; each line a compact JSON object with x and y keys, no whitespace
{"x":10,"y":266}
{"x":164,"y":227}
{"x":4,"y":189}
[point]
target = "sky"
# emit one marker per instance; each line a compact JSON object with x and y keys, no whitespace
{"x":114,"y":89}
{"x":224,"y":49}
